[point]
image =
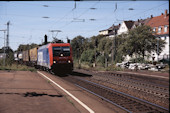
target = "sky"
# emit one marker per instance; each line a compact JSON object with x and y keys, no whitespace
{"x":31,"y":20}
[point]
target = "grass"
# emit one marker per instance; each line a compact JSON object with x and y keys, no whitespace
{"x":99,"y":67}
{"x":18,"y":67}
{"x":166,"y":69}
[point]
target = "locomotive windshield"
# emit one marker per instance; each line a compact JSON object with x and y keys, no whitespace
{"x":61,"y":51}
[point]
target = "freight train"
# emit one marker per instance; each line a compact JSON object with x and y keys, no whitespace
{"x":53,"y":57}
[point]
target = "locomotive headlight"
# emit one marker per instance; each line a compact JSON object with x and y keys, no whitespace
{"x":69,"y":61}
{"x":54,"y":62}
{"x":61,"y":55}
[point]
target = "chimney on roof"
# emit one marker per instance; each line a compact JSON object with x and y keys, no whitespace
{"x":166,"y":12}
{"x":161,"y":13}
{"x":151,"y":16}
{"x":138,"y":20}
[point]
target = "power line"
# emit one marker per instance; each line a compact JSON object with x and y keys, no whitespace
{"x":147,"y":10}
{"x":63,"y":16}
{"x":79,"y":15}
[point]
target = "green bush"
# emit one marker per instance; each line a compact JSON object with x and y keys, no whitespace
{"x":113,"y":68}
{"x":139,"y":60}
{"x":88,"y":56}
{"x":101,"y":60}
{"x":16,"y":67}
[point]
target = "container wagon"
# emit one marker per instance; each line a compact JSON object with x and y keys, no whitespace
{"x":26,"y":58}
{"x":33,"y":56}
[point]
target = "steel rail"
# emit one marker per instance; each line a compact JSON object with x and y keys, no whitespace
{"x":126,"y":94}
{"x":155,"y":89}
{"x":159,"y":90}
{"x":155,"y":85}
{"x":103,"y":98}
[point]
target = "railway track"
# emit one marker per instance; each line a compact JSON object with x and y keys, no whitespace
{"x":124,"y":101}
{"x":152,"y":88}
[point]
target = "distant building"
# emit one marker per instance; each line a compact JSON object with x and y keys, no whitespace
{"x":160,"y":27}
{"x":140,"y":22}
{"x":104,"y":32}
{"x":113,"y":30}
{"x":125,"y":27}
{"x":110,"y":32}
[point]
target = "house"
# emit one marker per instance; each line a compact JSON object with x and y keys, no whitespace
{"x":125,"y":27}
{"x":160,"y":27}
{"x":140,"y":22}
{"x":113,"y":30}
{"x":110,"y":32}
{"x":104,"y":32}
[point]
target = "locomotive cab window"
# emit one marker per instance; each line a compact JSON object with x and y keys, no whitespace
{"x":58,"y":51}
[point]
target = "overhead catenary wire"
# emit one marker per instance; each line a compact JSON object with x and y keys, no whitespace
{"x":117,"y":21}
{"x":79,"y":16}
{"x":146,"y":10}
{"x":64,"y":25}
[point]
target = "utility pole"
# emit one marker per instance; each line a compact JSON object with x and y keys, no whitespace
{"x":7,"y":38}
{"x":114,"y":47}
{"x":112,"y":50}
{"x":95,"y":52}
{"x":158,"y":47}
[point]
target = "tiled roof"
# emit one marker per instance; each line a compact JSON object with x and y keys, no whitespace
{"x":129,"y":24}
{"x":112,"y":29}
{"x":159,"y":21}
{"x":141,"y":21}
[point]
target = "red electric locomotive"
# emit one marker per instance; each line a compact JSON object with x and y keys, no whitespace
{"x":56,"y":57}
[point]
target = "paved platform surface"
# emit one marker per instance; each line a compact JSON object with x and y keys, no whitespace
{"x":30,"y":92}
{"x":27,"y":92}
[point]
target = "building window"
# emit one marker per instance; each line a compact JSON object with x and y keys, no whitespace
{"x":154,"y":29}
{"x":165,"y":28}
{"x":159,"y":29}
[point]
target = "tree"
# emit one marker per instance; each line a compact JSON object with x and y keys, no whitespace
{"x":120,"y":49}
{"x":88,"y":56}
{"x":78,"y":46}
{"x":95,"y":40}
{"x":141,"y":41}
{"x":7,"y":50}
{"x":26,"y":47}
{"x":9,"y":55}
{"x":105,"y":45}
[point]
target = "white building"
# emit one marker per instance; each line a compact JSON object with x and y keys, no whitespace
{"x":125,"y":27}
{"x":160,"y":25}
